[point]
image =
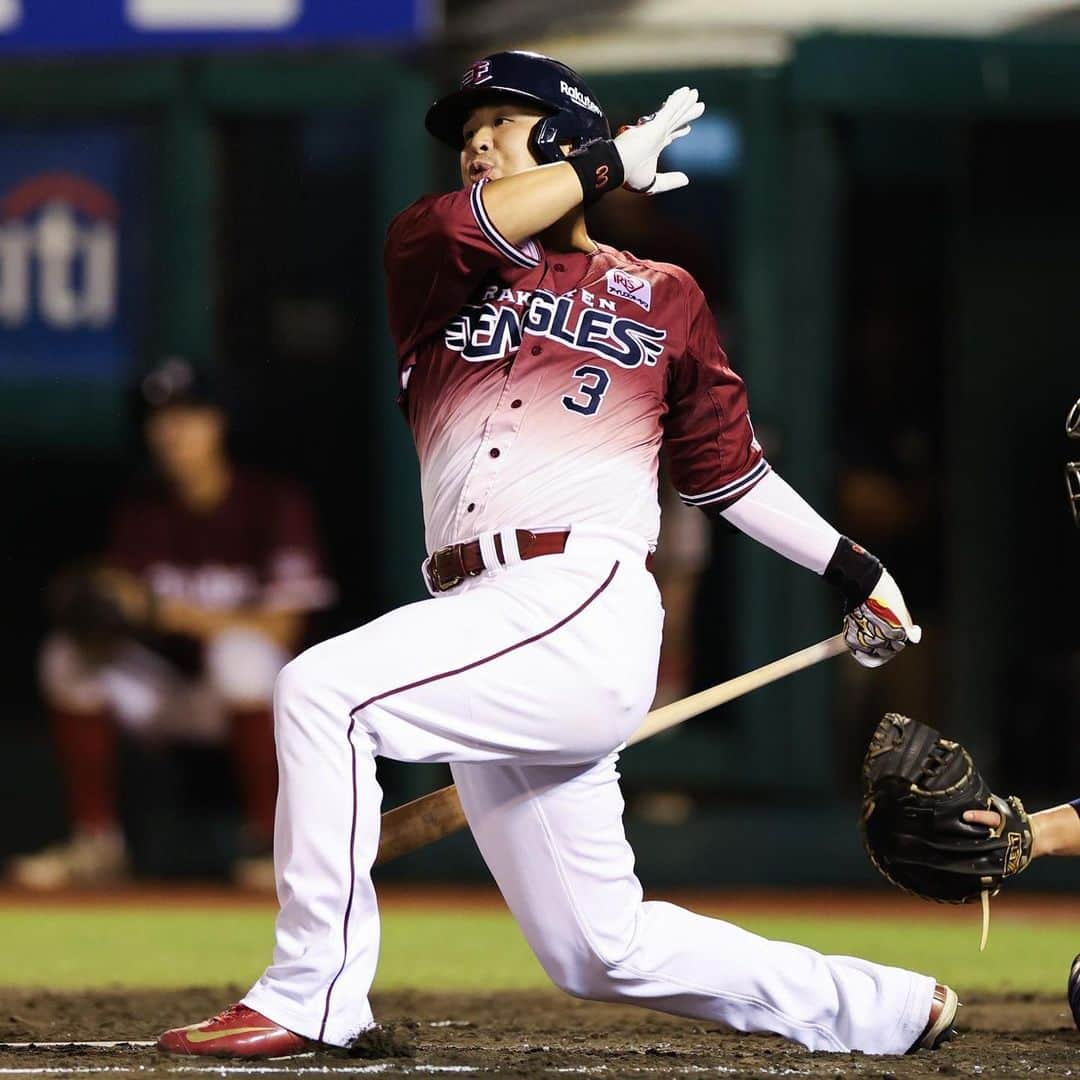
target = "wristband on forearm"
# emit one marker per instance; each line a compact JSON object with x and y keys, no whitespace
{"x":599,"y":169}
{"x":854,"y":571}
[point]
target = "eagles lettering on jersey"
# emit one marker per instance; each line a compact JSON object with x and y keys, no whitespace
{"x":491,"y":331}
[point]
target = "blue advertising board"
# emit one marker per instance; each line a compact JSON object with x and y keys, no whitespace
{"x":73,"y":203}
{"x":64,"y":27}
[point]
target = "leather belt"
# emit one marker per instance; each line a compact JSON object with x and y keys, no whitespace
{"x":450,"y":566}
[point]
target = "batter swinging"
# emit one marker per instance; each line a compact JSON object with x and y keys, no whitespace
{"x":540,"y":372}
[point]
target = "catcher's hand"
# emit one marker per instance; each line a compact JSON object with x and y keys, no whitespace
{"x":640,"y":145}
{"x":878,"y":628}
{"x":917,"y":787}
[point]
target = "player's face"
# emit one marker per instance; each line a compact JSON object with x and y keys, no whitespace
{"x":496,"y":141}
{"x":185,"y":438}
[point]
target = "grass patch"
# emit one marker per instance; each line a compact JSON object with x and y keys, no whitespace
{"x":134,"y":946}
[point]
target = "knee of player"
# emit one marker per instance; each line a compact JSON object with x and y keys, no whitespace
{"x":68,"y":680}
{"x":302,"y":683}
{"x":585,"y":974}
{"x":243,"y":666}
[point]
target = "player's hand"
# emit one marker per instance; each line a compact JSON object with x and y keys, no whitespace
{"x":639,"y":146}
{"x":881,"y":625}
{"x":990,"y":818}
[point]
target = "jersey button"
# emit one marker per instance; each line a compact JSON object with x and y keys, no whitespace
{"x":536,"y":350}
{"x":516,"y":403}
{"x":558,"y":268}
{"x":494,"y":451}
{"x":471,"y":507}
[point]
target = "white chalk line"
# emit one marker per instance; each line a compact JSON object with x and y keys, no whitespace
{"x":76,"y":1044}
{"x":381,"y":1067}
{"x":243,"y":1070}
{"x":143,"y":1044}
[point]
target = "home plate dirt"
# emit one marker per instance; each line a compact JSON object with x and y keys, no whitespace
{"x":520,"y":1034}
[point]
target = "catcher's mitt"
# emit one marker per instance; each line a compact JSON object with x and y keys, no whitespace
{"x":916,"y":787}
{"x":86,"y":603}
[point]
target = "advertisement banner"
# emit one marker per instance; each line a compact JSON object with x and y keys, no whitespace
{"x":74,"y":236}
{"x":64,"y":27}
{"x":72,"y":211}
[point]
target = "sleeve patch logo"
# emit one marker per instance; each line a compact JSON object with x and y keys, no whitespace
{"x":620,"y":283}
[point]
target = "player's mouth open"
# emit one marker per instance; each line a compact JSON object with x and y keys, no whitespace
{"x":480,"y":168}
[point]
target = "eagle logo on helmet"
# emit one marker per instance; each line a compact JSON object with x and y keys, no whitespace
{"x":477,"y":73}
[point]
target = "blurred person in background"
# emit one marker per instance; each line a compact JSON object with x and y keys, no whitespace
{"x":178,"y":635}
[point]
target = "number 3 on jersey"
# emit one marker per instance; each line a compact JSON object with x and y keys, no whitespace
{"x":588,"y":397}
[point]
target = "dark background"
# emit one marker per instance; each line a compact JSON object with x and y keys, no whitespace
{"x":892,"y":266}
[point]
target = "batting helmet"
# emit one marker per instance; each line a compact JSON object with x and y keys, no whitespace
{"x":574,"y":117}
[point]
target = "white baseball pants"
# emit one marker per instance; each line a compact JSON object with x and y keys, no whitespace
{"x":527,"y":680}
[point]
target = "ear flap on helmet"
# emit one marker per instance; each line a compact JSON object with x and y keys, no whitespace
{"x":544,"y":140}
{"x":550,"y":134}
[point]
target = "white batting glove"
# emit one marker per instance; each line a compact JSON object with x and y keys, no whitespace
{"x":881,"y":625}
{"x":639,"y":146}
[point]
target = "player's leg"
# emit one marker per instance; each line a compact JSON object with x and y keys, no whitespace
{"x":84,"y":734}
{"x":553,"y":837}
{"x":241,"y":667}
{"x":519,"y":665}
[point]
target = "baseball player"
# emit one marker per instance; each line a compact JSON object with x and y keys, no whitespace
{"x":210,"y":572}
{"x":540,"y":372}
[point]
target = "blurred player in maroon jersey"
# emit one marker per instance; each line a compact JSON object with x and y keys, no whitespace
{"x":215,"y":568}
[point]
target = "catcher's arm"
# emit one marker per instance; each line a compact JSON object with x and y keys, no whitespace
{"x":1055,"y":831}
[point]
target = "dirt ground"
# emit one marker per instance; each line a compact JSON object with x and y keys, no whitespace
{"x":520,"y":1034}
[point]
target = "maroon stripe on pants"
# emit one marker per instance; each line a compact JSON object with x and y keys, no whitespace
{"x":352,"y":750}
{"x":352,"y":881}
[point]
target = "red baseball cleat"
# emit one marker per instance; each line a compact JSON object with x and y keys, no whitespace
{"x":237,"y":1032}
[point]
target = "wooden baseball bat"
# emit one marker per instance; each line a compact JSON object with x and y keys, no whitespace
{"x":418,"y":823}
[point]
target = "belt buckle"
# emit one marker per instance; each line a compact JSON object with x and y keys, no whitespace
{"x":438,"y":582}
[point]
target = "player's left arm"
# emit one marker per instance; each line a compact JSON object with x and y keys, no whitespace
{"x":717,"y":465}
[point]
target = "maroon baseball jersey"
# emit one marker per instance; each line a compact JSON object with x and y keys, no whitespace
{"x":258,"y":547}
{"x":539,"y":385}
